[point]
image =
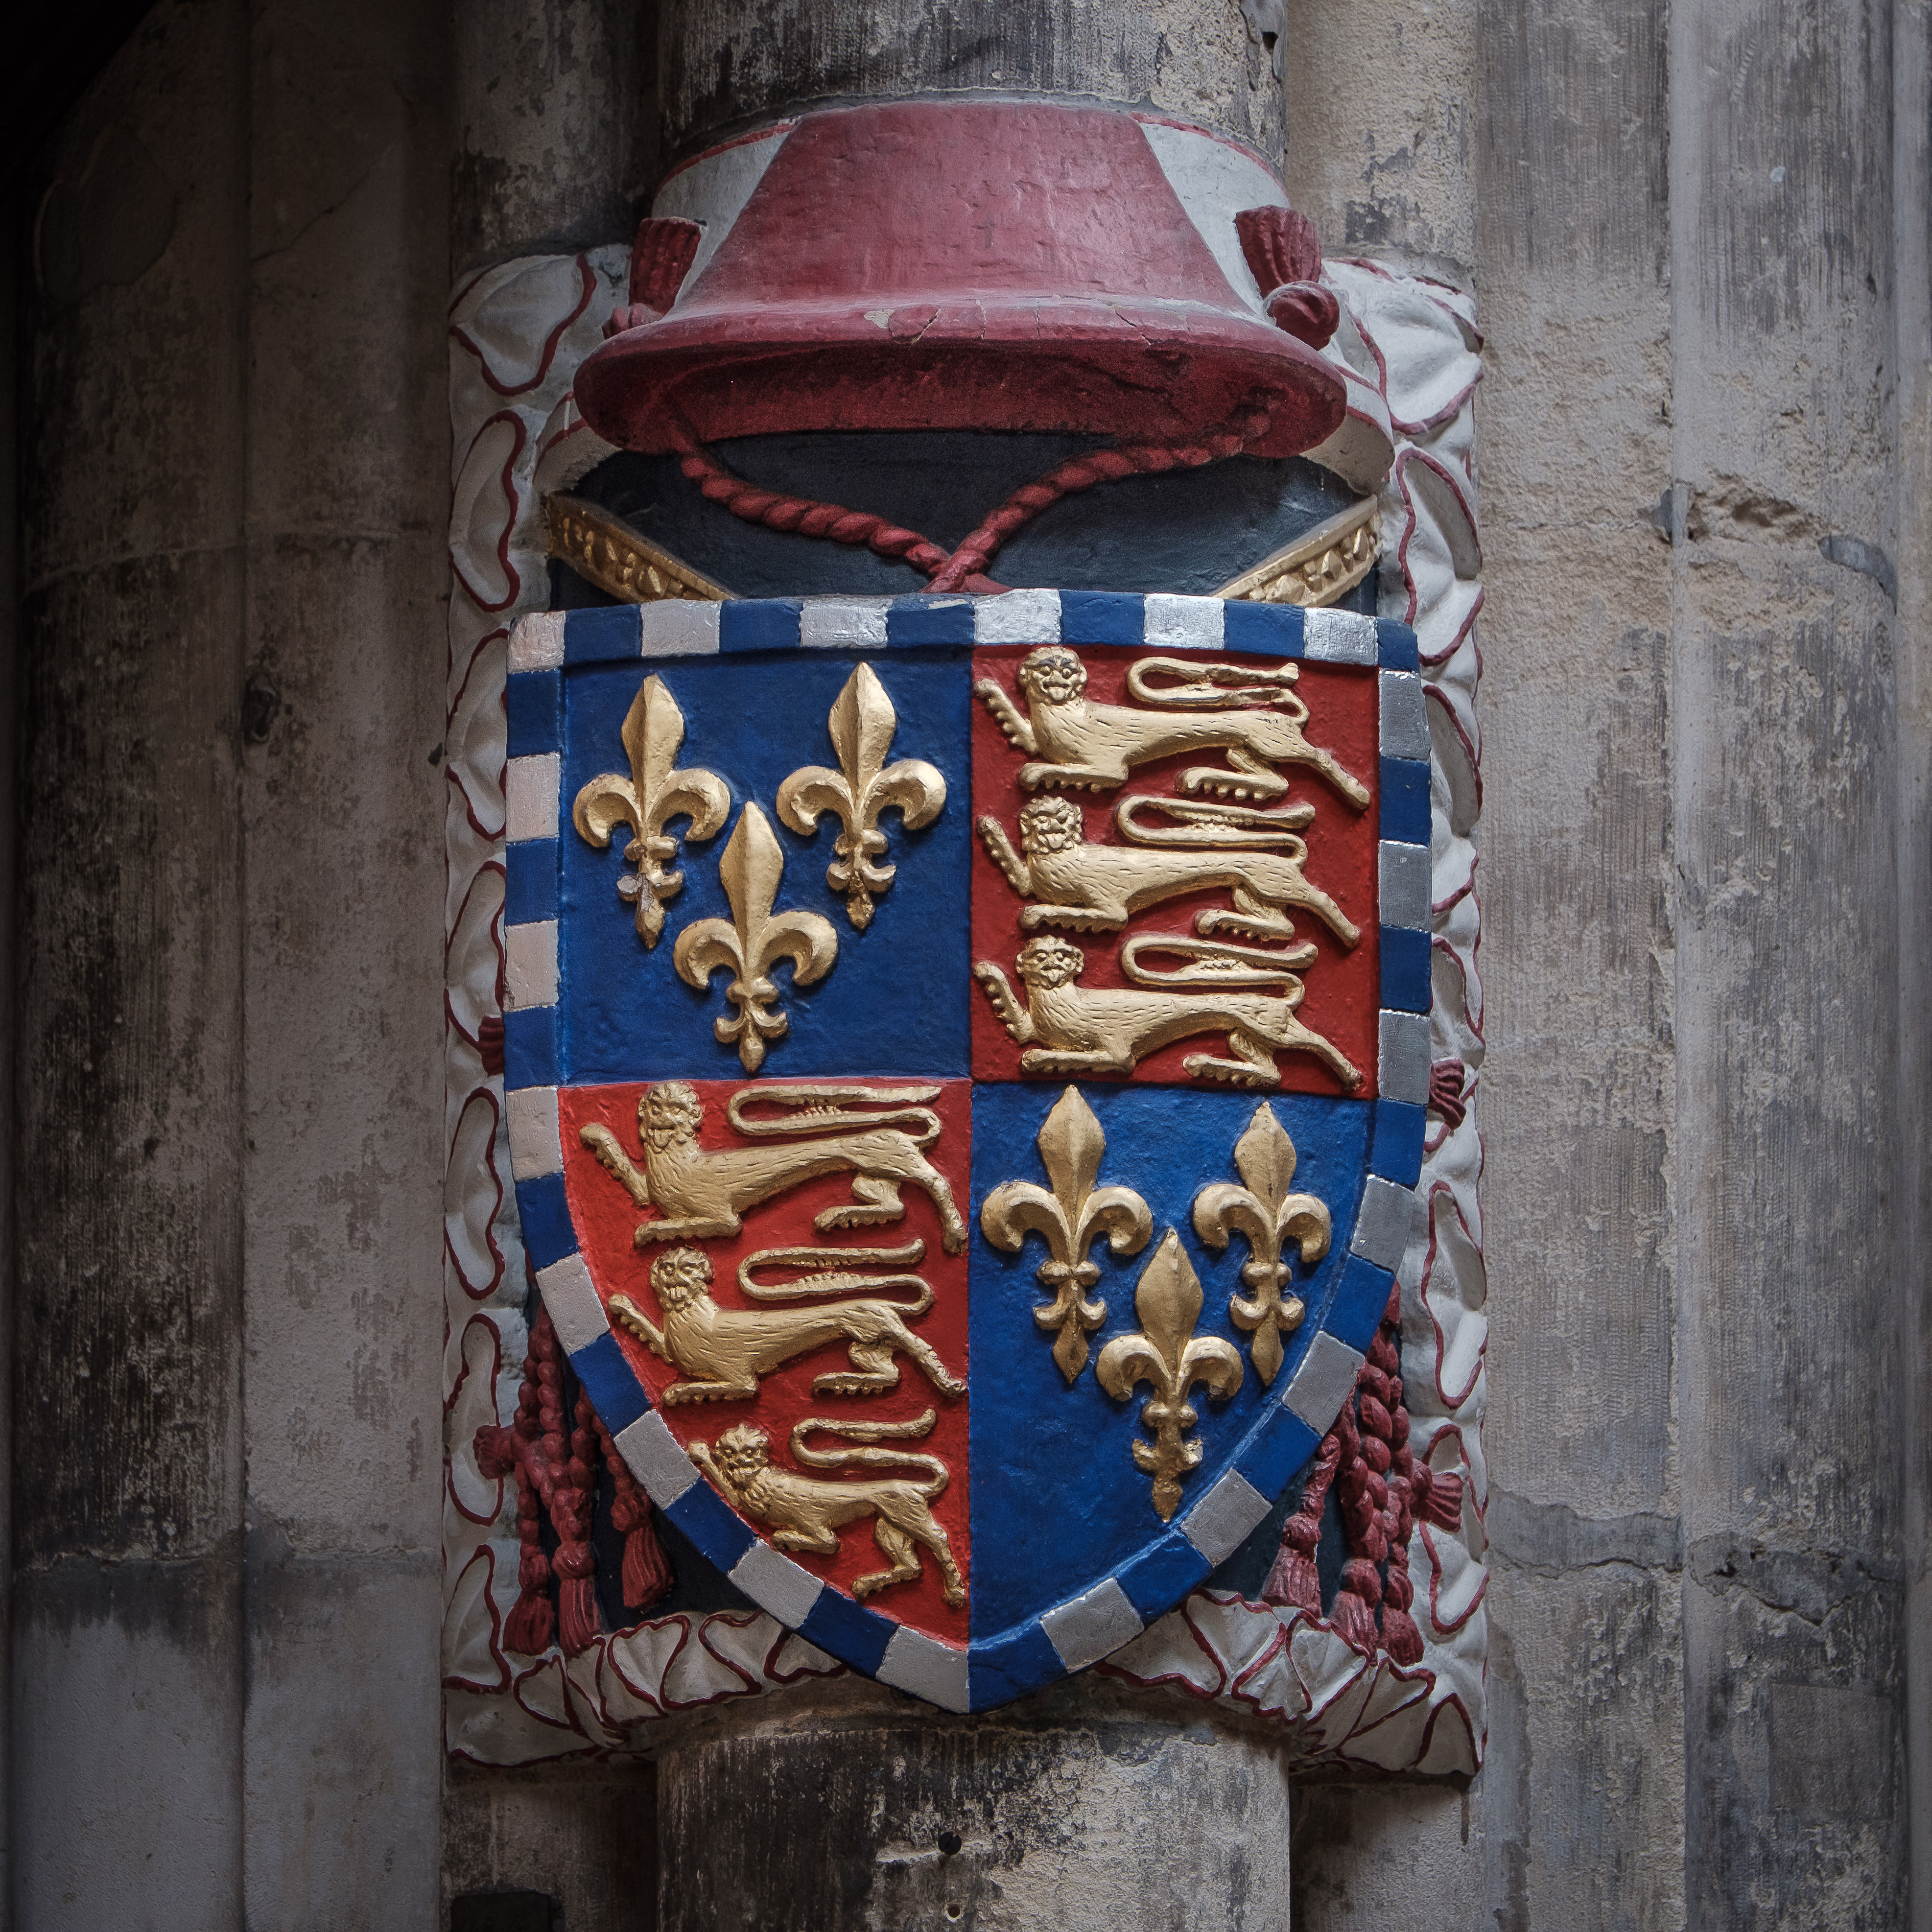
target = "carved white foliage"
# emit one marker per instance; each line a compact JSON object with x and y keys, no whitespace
{"x":1409,"y":349}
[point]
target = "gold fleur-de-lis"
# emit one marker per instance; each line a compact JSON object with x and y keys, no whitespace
{"x":1170,"y":1358}
{"x":655,"y":794}
{"x":1072,"y":1218}
{"x":1272,"y":1220}
{"x":753,"y":940}
{"x":862,"y":722}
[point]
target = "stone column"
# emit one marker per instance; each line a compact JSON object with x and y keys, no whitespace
{"x":1785,"y":752}
{"x":848,"y":1806}
{"x":226,"y":1336}
{"x":128,"y":1430}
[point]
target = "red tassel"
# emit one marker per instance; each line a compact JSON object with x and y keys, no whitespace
{"x":495,"y":1451}
{"x":1354,"y":1621}
{"x":1400,"y":1637}
{"x":1294,"y":1583}
{"x":527,"y":1630}
{"x":577,"y":1599}
{"x":578,"y":1622}
{"x":647,"y":1577}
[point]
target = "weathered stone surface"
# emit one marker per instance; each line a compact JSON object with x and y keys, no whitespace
{"x":1077,"y":1807}
{"x":555,"y":144}
{"x":585,"y":1835}
{"x":725,"y":64}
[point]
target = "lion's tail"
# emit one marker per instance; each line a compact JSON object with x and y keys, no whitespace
{"x":851,"y":1454}
{"x":1213,"y":825}
{"x":1215,"y":963}
{"x":833,"y":1279}
{"x":823,"y":1109}
{"x":1200,"y":685}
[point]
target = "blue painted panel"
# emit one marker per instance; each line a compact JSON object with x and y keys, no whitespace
{"x":896,"y":1001}
{"x":529,"y":885}
{"x":1263,"y":630}
{"x":548,"y":1234}
{"x":1396,"y":1155}
{"x":1405,"y":801}
{"x":913,"y":620}
{"x":1058,"y":1503}
{"x":1405,"y":963}
{"x":530,"y":1048}
{"x":592,"y":636}
{"x":1359,"y":1303}
{"x":769,"y":625}
{"x":609,"y":1381}
{"x":1275,"y":1454}
{"x":1157,"y":1579}
{"x":1399,"y":650}
{"x":848,"y":1629}
{"x":1011,"y":1665}
{"x":533,"y":704}
{"x":1101,"y":617}
{"x":718,"y":1531}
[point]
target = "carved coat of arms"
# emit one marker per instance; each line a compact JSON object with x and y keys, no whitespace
{"x":965,"y":1062}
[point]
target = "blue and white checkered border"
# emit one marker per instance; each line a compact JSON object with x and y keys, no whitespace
{"x":1091,"y":1626}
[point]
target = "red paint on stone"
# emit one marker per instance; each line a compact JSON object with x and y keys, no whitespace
{"x":604,"y":1217}
{"x":999,"y":265}
{"x":1343,"y":996}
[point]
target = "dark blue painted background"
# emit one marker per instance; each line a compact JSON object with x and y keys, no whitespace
{"x":894,"y":1002}
{"x":1057,"y":1501}
{"x":1187,"y":529}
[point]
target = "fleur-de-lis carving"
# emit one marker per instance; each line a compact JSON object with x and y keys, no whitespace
{"x":1170,"y":1358}
{"x":655,"y":794}
{"x":751,"y":942}
{"x":862,"y":722}
{"x":1274,"y":1221}
{"x":1072,"y":1218}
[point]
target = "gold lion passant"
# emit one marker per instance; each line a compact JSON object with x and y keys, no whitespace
{"x":811,"y":1512}
{"x":704,"y":1192}
{"x":723,"y":1351}
{"x":1067,"y":1028}
{"x":1070,"y":742}
{"x":1097,"y":888}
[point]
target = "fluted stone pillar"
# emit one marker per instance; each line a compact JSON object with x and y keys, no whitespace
{"x":822,"y":1809}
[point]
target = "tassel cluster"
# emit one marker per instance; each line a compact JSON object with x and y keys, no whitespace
{"x":1380,"y":1489}
{"x":552,"y":1459}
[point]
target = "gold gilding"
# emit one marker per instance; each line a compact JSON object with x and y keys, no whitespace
{"x":1247,"y":711}
{"x":722,"y":1352}
{"x":1171,"y":1359}
{"x":702,"y":1193}
{"x":861,"y":722}
{"x":1321,"y":568}
{"x":1071,"y":1218}
{"x":1066,"y":1028}
{"x":754,"y":940}
{"x":607,"y":553}
{"x":808,"y":1511}
{"x":655,"y":794}
{"x":1098,"y":888}
{"x":1276,"y":1223}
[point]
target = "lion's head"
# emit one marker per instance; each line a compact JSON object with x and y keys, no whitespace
{"x":1052,"y":675}
{"x":744,"y":1453}
{"x":1048,"y":962}
{"x":669,"y":1115}
{"x":680,"y":1277}
{"x":1050,"y":825}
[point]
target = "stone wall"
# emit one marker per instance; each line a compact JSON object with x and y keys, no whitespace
{"x":1697,"y":238}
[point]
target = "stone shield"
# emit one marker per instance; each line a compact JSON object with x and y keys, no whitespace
{"x":965,"y":1065}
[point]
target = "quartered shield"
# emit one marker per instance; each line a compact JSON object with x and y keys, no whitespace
{"x":966,"y":1060}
